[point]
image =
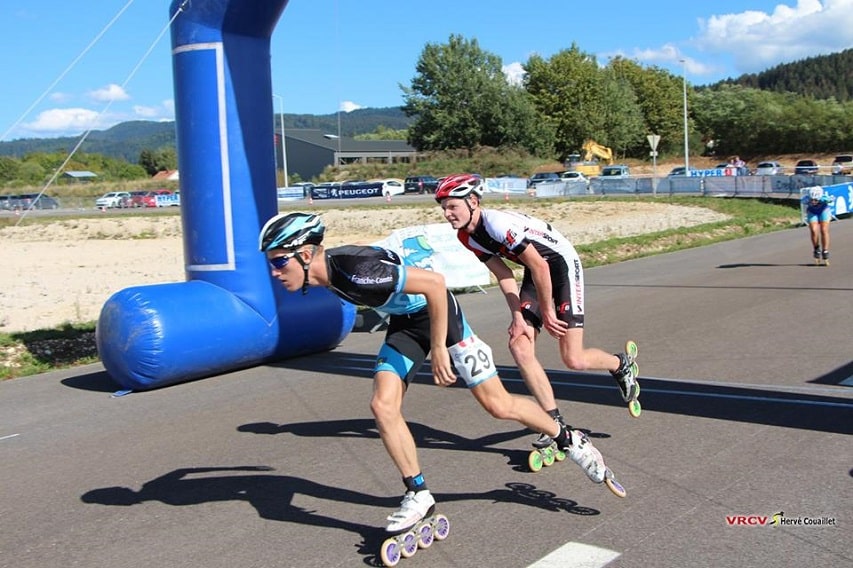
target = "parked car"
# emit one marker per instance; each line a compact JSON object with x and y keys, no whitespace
{"x":769,"y":169}
{"x":135,"y":199}
{"x":35,"y":201}
{"x":420,"y":184}
{"x":543,"y":177}
{"x":806,"y":167}
{"x":7,"y":201}
{"x":391,"y":187}
{"x":617,"y":171}
{"x":678,"y":171}
{"x":111,"y":199}
{"x":842,"y":165}
{"x":574,"y":176}
{"x":148,"y":198}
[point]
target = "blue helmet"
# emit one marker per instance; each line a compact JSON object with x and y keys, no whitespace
{"x":290,"y":231}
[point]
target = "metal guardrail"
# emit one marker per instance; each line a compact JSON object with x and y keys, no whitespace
{"x":722,"y":186}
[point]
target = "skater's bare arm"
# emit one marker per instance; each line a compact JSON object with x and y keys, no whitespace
{"x":432,"y":286}
{"x":509,"y":287}
{"x":541,"y":274}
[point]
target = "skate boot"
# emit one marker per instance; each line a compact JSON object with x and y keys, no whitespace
{"x":582,"y":452}
{"x":545,"y":451}
{"x":825,"y":255}
{"x":626,"y":378}
{"x":816,"y":255}
{"x":414,"y":526}
{"x":413,"y":508}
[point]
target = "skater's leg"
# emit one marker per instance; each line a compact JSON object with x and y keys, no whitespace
{"x":386,"y":405}
{"x":824,"y":236}
{"x":495,"y":399}
{"x":578,"y":358}
{"x":523,"y":350}
{"x":814,"y":235}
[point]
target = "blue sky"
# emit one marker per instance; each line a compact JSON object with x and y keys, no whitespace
{"x":72,"y":66}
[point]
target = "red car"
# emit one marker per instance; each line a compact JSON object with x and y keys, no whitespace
{"x":149,"y":198}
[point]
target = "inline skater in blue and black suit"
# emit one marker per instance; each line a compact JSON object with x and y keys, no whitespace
{"x":425,"y":319}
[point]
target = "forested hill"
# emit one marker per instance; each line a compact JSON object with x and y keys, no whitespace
{"x":127,"y":139}
{"x":820,"y":77}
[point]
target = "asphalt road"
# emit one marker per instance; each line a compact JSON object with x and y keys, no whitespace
{"x":744,"y":349}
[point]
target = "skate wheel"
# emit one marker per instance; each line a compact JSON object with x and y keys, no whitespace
{"x":408,"y":544}
{"x":634,"y":408}
{"x":390,"y":552}
{"x":632,"y":349}
{"x":559,"y":455}
{"x":440,"y":527}
{"x":548,"y":456}
{"x":635,"y":369}
{"x":424,"y":533}
{"x":615,"y":486}
{"x":534,"y":460}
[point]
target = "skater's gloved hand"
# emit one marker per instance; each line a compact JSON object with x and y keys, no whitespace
{"x":442,"y":369}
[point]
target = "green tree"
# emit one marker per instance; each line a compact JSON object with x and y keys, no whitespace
{"x":626,"y":130}
{"x":659,"y":95}
{"x":160,"y":160}
{"x":10,"y":169}
{"x":567,"y":90}
{"x":461,"y":99}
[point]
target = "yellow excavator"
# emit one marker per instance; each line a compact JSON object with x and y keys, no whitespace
{"x":594,"y":154}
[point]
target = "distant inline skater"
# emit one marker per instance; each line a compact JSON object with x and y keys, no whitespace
{"x":818,"y":216}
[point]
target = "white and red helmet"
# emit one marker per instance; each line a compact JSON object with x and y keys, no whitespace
{"x":460,"y":186}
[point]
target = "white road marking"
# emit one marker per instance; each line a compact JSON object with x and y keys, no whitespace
{"x":577,"y":555}
{"x":9,"y":436}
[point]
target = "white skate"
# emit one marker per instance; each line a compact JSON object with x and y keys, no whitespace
{"x":414,"y":507}
{"x":582,"y":452}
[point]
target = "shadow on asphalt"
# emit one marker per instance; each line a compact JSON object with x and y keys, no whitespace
{"x":721,"y":402}
{"x":272,"y":495}
{"x":97,"y":382}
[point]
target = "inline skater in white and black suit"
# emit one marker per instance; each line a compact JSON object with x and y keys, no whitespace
{"x":551,"y":293}
{"x":425,"y":320}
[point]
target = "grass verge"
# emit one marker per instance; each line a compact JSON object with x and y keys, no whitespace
{"x":29,"y":353}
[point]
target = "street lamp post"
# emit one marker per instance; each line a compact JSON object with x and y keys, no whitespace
{"x":686,"y":139}
{"x":283,"y":143}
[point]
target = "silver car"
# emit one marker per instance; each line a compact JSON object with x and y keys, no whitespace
{"x":769,"y":169}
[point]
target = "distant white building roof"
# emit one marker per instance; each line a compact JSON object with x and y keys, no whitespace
{"x":80,"y":174}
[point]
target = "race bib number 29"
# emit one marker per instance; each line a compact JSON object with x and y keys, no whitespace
{"x":473,"y":360}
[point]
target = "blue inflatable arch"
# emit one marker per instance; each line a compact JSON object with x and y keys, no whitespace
{"x":230,"y":313}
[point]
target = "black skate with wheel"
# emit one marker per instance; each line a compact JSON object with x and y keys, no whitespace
{"x":405,"y":543}
{"x":626,"y":377}
{"x":544,"y":456}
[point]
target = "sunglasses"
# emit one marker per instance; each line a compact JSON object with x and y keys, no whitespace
{"x":280,"y":262}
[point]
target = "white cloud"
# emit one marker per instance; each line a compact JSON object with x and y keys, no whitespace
{"x":162,"y":112}
{"x":757,"y":40}
{"x":111,"y":92}
{"x":349,"y":106}
{"x":514,"y":73}
{"x":66,"y":121}
{"x":60,"y":97}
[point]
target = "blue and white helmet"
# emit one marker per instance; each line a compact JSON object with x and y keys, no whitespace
{"x":291,"y":231}
{"x":816,"y":193}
